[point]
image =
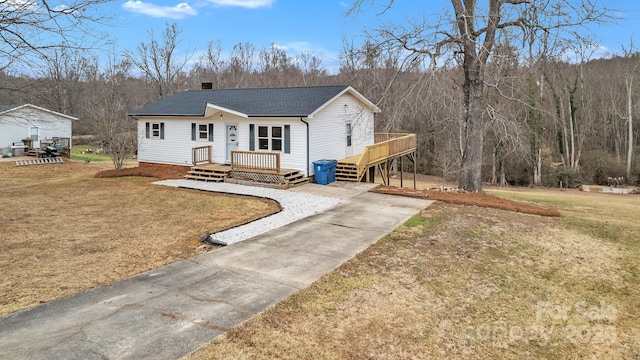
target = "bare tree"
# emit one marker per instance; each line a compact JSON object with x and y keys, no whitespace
{"x":31,"y":29}
{"x":240,"y":66}
{"x":312,"y":69}
{"x":470,"y":34}
{"x":106,"y":113}
{"x":209,"y":66}
{"x":63,"y":80}
{"x":159,"y":60}
{"x":629,"y":71}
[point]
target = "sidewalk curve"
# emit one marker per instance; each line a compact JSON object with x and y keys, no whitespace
{"x":171,"y":311}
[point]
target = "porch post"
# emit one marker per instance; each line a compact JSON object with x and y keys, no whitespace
{"x":401,"y":171}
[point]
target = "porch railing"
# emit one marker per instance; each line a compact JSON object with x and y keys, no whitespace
{"x":202,"y":155}
{"x":386,"y":145}
{"x":255,"y":160}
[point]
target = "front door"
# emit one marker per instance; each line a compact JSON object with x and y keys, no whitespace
{"x":35,"y":139}
{"x":232,"y":140}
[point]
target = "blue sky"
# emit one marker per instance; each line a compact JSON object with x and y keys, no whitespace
{"x":317,"y":26}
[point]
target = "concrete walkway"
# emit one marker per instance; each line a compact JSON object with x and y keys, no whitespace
{"x":171,"y":311}
{"x":295,"y":206}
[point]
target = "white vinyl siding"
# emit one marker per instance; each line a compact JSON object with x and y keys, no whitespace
{"x":327,"y":131}
{"x":176,"y":148}
{"x":297,"y":157}
{"x":16,"y":125}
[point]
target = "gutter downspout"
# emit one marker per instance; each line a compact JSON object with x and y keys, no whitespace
{"x":306,"y":123}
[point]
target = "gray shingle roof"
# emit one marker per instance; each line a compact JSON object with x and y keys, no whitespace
{"x":257,"y":102}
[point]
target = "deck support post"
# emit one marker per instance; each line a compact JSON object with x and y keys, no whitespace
{"x":401,"y":185}
{"x":415,"y":163}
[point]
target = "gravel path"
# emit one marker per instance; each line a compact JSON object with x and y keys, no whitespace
{"x":295,"y":206}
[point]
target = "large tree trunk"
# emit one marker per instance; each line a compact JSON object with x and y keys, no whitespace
{"x":472,"y":128}
{"x":629,"y":85}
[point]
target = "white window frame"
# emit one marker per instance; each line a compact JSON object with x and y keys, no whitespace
{"x":155,"y":130}
{"x":199,"y":132}
{"x":270,"y":139}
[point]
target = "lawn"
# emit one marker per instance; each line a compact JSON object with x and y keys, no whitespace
{"x":65,"y":231}
{"x":467,"y":282}
{"x":88,"y":154}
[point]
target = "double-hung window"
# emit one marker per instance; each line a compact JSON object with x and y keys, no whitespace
{"x":270,"y":138}
{"x":201,"y":132}
{"x":154,"y":130}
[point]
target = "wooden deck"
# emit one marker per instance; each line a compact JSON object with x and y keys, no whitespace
{"x":264,"y":167}
{"x":221,"y":172}
{"x":388,"y":146}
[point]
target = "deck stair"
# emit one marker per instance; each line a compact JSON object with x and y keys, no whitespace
{"x":208,"y":173}
{"x":295,"y":178}
{"x":386,"y":147}
{"x":346,"y":171}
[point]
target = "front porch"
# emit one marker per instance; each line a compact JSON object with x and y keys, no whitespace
{"x":226,"y":173}
{"x":245,"y":166}
{"x":264,"y":167}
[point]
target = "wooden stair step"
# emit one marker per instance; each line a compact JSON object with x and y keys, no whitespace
{"x":203,"y":178}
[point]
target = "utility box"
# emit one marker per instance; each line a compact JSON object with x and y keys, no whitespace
{"x":17,"y":149}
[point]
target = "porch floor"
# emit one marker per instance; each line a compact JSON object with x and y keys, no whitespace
{"x":222,"y":172}
{"x":226,"y":168}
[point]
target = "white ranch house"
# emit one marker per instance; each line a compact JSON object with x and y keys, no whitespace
{"x":32,"y":123}
{"x":262,"y":130}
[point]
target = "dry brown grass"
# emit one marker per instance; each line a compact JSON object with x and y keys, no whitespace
{"x":64,"y":231}
{"x":461,"y":282}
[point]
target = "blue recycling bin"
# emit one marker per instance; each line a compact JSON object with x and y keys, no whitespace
{"x":322,"y":169}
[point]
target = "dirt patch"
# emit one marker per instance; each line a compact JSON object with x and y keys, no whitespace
{"x":470,"y":198}
{"x":159,"y":171}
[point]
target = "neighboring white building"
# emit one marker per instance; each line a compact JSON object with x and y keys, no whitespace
{"x":26,"y":121}
{"x":303,"y":124}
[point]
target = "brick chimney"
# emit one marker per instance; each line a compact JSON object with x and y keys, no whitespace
{"x":207,"y":86}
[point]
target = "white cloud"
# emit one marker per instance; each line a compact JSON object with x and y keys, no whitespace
{"x":19,"y":6}
{"x":179,"y":11}
{"x":249,"y":4}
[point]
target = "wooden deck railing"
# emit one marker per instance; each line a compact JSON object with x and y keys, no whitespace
{"x":64,"y":142}
{"x":202,"y":155}
{"x":386,"y":145}
{"x":380,"y":137}
{"x":255,"y":160}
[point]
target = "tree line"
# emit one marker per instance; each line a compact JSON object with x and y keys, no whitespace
{"x":546,"y":118}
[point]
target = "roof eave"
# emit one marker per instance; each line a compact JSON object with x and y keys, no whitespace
{"x":212,"y":108}
{"x":41,"y":109}
{"x":353,"y":92}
